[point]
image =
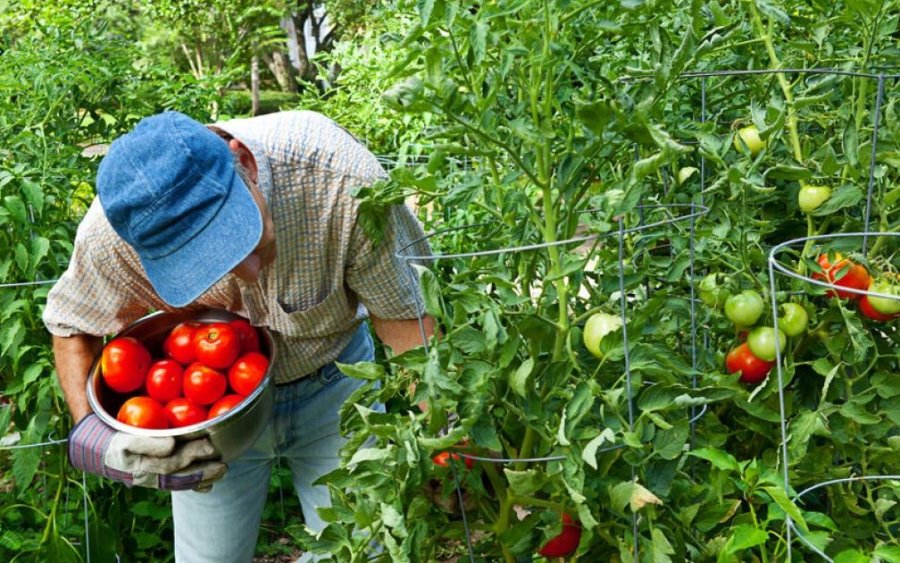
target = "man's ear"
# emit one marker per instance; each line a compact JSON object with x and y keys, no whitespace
{"x":245,"y":157}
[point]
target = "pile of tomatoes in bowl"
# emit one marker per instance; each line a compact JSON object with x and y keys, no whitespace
{"x":201,"y":371}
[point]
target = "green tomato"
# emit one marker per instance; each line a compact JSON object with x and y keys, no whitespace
{"x":884,"y":305}
{"x":750,"y":137}
{"x":794,"y":319}
{"x":598,"y":326}
{"x":711,"y":293}
{"x":744,"y":308}
{"x":762,"y":341}
{"x":811,"y":198}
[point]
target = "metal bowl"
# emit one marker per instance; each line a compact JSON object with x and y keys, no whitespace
{"x":230,"y":433}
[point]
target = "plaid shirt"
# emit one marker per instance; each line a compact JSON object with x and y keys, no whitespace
{"x":327,"y":274}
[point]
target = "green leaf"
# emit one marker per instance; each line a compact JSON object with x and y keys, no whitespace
{"x":720,"y":459}
{"x":16,"y":208}
{"x":33,"y":194}
{"x":744,"y":537}
{"x":518,"y":379}
{"x":589,"y":453}
{"x":660,"y":548}
{"x":368,"y":371}
{"x":851,"y":556}
{"x":845,"y":196}
{"x":431,"y":291}
{"x":857,"y":412}
{"x":888,"y":553}
{"x":595,"y":116}
{"x":524,"y":483}
{"x":781,"y":499}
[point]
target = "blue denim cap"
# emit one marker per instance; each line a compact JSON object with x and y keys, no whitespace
{"x":170,"y":190}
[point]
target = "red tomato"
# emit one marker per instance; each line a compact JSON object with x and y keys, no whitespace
{"x":143,"y":412}
{"x":845,"y":273}
{"x":217,"y":345}
{"x":179,"y":344}
{"x":248,"y":335}
{"x":443,"y":459}
{"x":124,"y":364}
{"x":566,"y":542}
{"x":164,"y":380}
{"x":184,"y":412}
{"x":868,"y":311}
{"x":224,"y":405}
{"x":203,"y":385}
{"x":752,"y":369}
{"x":247,"y":372}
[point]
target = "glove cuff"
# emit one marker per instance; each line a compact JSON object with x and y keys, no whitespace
{"x":88,"y":442}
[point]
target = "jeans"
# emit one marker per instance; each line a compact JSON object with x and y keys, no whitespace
{"x":222,"y":525}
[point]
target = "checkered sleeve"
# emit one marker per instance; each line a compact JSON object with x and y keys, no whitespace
{"x":379,"y":273}
{"x":103,"y":289}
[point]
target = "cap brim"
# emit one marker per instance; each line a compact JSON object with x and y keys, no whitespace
{"x":184,"y":275}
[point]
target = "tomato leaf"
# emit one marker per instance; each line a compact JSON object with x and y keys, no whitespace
{"x":777,"y":494}
{"x":518,"y":378}
{"x":721,"y":460}
{"x":744,"y":537}
{"x":589,"y":453}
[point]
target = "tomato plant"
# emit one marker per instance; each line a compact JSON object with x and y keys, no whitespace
{"x":164,"y":380}
{"x":203,"y":384}
{"x":184,"y":412}
{"x":143,"y":412}
{"x":247,"y":372}
{"x":751,"y":368}
{"x":179,"y":343}
{"x":216,"y":345}
{"x":744,"y":308}
{"x":124,"y":364}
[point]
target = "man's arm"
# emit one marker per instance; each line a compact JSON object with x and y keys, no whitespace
{"x":74,"y":356}
{"x":401,"y":335}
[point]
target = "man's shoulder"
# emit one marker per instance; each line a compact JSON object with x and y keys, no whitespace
{"x":283,"y":124}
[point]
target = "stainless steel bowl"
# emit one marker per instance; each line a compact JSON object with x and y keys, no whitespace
{"x":232,"y":432}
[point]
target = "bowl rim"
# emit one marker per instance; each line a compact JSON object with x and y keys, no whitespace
{"x":199,"y":427}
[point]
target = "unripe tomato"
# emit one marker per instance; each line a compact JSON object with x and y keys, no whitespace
{"x":597,"y":327}
{"x":844,"y":273}
{"x":752,"y":369}
{"x":247,"y":335}
{"x":744,"y":308}
{"x":245,"y":374}
{"x":179,"y":344}
{"x":203,"y":385}
{"x":143,"y":412}
{"x":750,"y":137}
{"x":868,"y":311}
{"x":182,"y":411}
{"x":124,"y":363}
{"x":164,"y":380}
{"x":217,"y":345}
{"x":224,"y":405}
{"x":566,"y":542}
{"x":884,"y":305}
{"x":794,"y":319}
{"x":811,"y":198}
{"x":762,"y":342}
{"x":711,"y":293}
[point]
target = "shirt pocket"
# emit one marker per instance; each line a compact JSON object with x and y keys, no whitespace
{"x":325,"y":318}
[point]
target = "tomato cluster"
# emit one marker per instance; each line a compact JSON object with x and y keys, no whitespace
{"x":207,"y":370}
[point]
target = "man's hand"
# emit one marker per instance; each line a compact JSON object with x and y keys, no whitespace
{"x":155,"y":462}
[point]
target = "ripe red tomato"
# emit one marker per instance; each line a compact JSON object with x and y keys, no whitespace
{"x":248,"y":335}
{"x":224,"y":405}
{"x":566,"y":542}
{"x":184,"y":412}
{"x":143,"y":412}
{"x":179,"y":344}
{"x":124,"y":364}
{"x":247,"y":372}
{"x":844,"y":273}
{"x":203,"y":385}
{"x":752,"y":369}
{"x":217,"y":345}
{"x":164,"y":380}
{"x":867,"y":310}
{"x":443,"y":459}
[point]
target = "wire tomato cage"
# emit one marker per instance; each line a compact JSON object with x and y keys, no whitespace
{"x":672,"y":214}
